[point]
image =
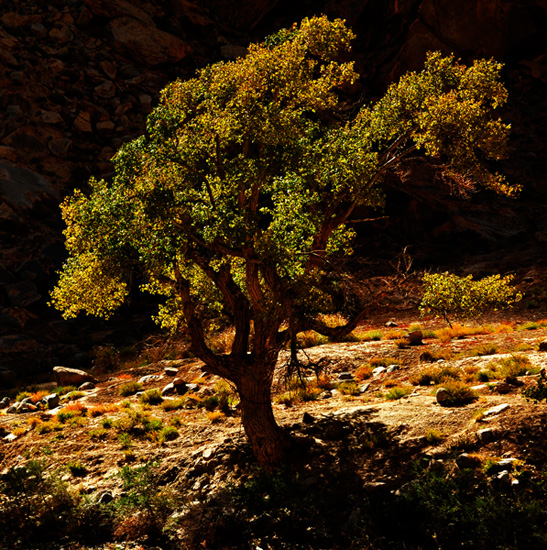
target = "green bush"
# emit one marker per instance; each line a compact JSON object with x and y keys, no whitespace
{"x":447,"y":294}
{"x":151,"y":397}
{"x":129,"y":388}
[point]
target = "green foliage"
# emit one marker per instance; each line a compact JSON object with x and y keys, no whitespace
{"x":397,"y":392}
{"x":459,"y":393}
{"x":144,"y":507}
{"x":537,"y":392}
{"x":236,"y":200}
{"x":129,"y":388}
{"x":447,"y":294}
{"x":151,"y":397}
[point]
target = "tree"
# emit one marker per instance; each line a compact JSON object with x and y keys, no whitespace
{"x":236,"y":199}
{"x":446,"y":293}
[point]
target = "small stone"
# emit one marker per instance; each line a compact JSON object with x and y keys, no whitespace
{"x":4,"y":403}
{"x":480,"y":388}
{"x":391,"y":324}
{"x":87,"y":386}
{"x":543,"y":346}
{"x":378,"y":371}
{"x":345,"y":376}
{"x":171,"y":371}
{"x":307,"y":418}
{"x":392,"y":368}
{"x":502,"y":387}
{"x":466,"y":461}
{"x":82,"y":122}
{"x":415,"y":338}
{"x":327,"y":394}
{"x":149,"y":378}
{"x":364,"y":387}
{"x":442,"y":396}
{"x":51,"y":401}
{"x":51,"y":117}
{"x":105,"y":126}
{"x":487,"y":434}
{"x":169,"y":389}
{"x":106,"y":89}
{"x":496,"y":410}
{"x":60,"y":146}
{"x":65,"y":376}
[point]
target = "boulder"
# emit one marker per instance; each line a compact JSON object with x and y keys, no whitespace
{"x":543,"y":346}
{"x":51,"y":401}
{"x":65,"y":376}
{"x":415,"y":338}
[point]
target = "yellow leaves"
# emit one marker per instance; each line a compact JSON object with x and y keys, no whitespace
{"x":86,"y":284}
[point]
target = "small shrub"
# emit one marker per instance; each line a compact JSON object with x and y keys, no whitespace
{"x":129,"y":388}
{"x":173,"y":404}
{"x":459,"y":393}
{"x":107,"y":423}
{"x":168,"y":433}
{"x":151,"y":397}
{"x":483,"y":350}
{"x":515,"y":365}
{"x":63,"y":390}
{"x":215,"y":416}
{"x":77,"y":469}
{"x":37,"y":396}
{"x":434,"y":437}
{"x":538,"y":391}
{"x":310,"y":338}
{"x":348,"y":388}
{"x":22,"y":395}
{"x":530,"y":325}
{"x":390,"y":383}
{"x":397,"y":392}
{"x":33,"y":421}
{"x":363,"y":372}
{"x":48,"y":426}
{"x":99,"y":433}
{"x":324,"y":382}
{"x":372,"y":336}
{"x":125,"y":440}
{"x":73,"y":395}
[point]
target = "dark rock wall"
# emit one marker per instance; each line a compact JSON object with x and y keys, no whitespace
{"x":78,"y":78}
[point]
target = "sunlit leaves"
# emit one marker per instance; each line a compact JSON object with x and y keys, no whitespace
{"x":447,"y":294}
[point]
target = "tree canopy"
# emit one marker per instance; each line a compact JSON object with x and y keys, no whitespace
{"x":238,"y":195}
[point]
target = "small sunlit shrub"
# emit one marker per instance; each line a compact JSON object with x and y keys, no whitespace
{"x":151,"y":397}
{"x":129,"y":388}
{"x":349,"y":388}
{"x":363,"y":372}
{"x":168,"y":433}
{"x":458,"y":393}
{"x":397,"y":392}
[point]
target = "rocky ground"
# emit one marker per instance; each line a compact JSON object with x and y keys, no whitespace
{"x":375,"y":439}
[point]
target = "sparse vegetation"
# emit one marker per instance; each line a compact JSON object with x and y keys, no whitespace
{"x":129,"y":388}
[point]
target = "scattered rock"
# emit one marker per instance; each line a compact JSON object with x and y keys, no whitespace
{"x":392,"y":368}
{"x":4,"y":403}
{"x":345,"y":376}
{"x":497,"y":409}
{"x":502,"y":387}
{"x":150,"y":378}
{"x":415,"y":338}
{"x":442,"y":396}
{"x":65,"y":376}
{"x":543,"y":346}
{"x":486,"y":435}
{"x":307,"y":418}
{"x":468,"y":461}
{"x":169,"y":389}
{"x":171,"y":371}
{"x":378,"y":371}
{"x":391,"y":324}
{"x":51,"y":401}
{"x":87,"y":386}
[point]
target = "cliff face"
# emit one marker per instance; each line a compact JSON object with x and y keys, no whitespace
{"x":78,"y":78}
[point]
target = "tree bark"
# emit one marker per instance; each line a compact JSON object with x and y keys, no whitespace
{"x":270,"y":444}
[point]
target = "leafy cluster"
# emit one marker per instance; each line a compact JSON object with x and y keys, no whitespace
{"x":446,"y":293}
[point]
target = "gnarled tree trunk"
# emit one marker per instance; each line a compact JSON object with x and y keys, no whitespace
{"x":269,"y":442}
